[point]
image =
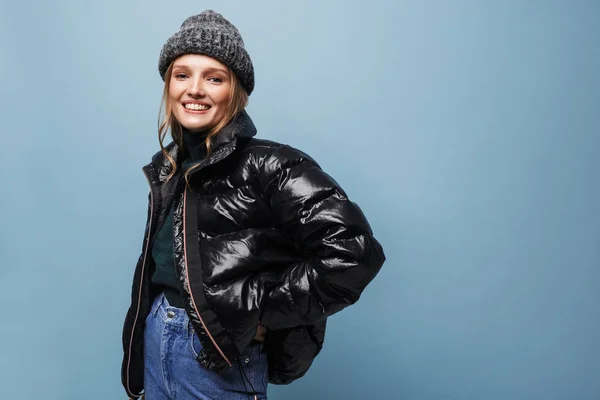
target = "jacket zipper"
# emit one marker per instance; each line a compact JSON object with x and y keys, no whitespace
{"x":142,"y":283}
{"x":189,"y":287}
{"x":137,"y":312}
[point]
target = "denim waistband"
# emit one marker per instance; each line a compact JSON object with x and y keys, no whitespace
{"x":168,"y":313}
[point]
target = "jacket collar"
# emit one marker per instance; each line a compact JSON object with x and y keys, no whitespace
{"x":223,"y":144}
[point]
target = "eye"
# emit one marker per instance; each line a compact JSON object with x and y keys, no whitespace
{"x":215,"y":79}
{"x":180,"y":76}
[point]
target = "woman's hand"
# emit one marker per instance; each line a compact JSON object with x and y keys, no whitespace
{"x":261,"y":332}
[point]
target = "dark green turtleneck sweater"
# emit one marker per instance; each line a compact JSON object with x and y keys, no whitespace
{"x":165,"y":274}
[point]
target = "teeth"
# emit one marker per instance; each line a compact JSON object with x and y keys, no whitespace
{"x":196,"y":107}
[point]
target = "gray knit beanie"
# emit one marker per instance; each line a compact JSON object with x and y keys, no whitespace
{"x":209,"y":33}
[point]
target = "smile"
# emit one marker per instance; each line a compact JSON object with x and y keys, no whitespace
{"x":196,"y":107}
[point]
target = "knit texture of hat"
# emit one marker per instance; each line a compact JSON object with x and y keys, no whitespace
{"x":209,"y":33}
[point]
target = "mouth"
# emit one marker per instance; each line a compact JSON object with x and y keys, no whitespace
{"x":196,"y":107}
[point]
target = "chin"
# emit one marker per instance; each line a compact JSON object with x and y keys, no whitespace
{"x":197,"y":127}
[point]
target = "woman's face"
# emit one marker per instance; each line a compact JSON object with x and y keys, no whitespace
{"x":199,"y":89}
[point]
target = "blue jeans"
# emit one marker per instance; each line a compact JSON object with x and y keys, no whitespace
{"x":171,"y":371}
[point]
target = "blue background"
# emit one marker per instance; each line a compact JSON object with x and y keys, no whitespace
{"x":467,"y":131}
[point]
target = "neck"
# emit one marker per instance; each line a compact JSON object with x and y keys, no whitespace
{"x":195,"y":143}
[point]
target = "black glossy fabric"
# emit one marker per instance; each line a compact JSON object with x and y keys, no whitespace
{"x":261,"y":235}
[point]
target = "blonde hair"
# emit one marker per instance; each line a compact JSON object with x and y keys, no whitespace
{"x":238,"y":100}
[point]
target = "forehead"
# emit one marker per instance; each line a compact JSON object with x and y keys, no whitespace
{"x":198,"y":61}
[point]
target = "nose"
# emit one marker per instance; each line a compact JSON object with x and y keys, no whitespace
{"x":196,"y":87}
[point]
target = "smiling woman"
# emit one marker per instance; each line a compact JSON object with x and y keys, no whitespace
{"x":249,"y":244}
{"x":199,"y":89}
{"x":201,"y":94}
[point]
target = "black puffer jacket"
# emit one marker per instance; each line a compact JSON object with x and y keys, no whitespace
{"x":261,"y":235}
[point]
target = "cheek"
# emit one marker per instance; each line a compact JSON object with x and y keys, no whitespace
{"x":177,"y":111}
{"x":175,"y":91}
{"x":223,"y":96}
{"x":172,"y":102}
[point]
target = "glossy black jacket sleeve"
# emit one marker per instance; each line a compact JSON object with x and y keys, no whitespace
{"x":340,"y":254}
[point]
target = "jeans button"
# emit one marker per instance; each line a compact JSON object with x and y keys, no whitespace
{"x":170,"y":314}
{"x":247,"y":360}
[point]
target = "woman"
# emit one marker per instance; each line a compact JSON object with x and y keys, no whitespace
{"x":249,"y":245}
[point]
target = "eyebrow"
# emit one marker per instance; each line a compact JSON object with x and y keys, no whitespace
{"x":210,"y":69}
